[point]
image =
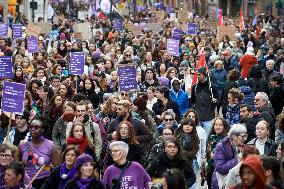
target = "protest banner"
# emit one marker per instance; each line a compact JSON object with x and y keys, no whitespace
{"x":226,"y":30}
{"x":127,"y":77}
{"x":85,"y":28}
{"x":17,"y":31}
{"x":183,"y":16}
{"x":13,"y":97}
{"x":32,"y":44}
{"x":155,"y":27}
{"x":77,"y":62}
{"x":6,"y":67}
{"x":45,"y":27}
{"x":33,"y":30}
{"x":192,"y":27}
{"x":173,"y":47}
{"x":4,"y":30}
{"x":177,"y":34}
{"x":136,"y":29}
{"x":118,"y":24}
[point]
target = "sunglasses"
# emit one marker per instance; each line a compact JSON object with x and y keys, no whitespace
{"x":36,"y":127}
{"x":124,"y":94}
{"x":128,"y":55}
{"x":167,"y":120}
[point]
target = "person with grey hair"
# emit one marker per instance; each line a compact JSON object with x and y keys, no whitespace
{"x":264,"y":110}
{"x":124,"y":172}
{"x":269,"y":69}
{"x":227,"y":154}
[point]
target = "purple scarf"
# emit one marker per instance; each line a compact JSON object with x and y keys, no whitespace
{"x":70,"y":175}
{"x":84,"y":183}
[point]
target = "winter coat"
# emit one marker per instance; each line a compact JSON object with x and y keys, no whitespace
{"x":93,"y":134}
{"x":250,"y":124}
{"x":218,"y":78}
{"x":267,"y":113}
{"x":269,"y":147}
{"x":156,"y":150}
{"x":255,"y":164}
{"x":233,"y":114}
{"x":268,"y":73}
{"x":93,"y":97}
{"x":224,"y":159}
{"x":258,"y":85}
{"x":94,"y":184}
{"x":201,"y":100}
{"x":159,"y":108}
{"x":158,"y":166}
{"x":246,"y":63}
{"x":276,"y":98}
{"x":59,"y":133}
{"x":181,"y":99}
{"x":279,"y":136}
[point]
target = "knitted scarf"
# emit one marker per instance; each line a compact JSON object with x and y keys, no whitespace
{"x":66,"y":175}
{"x":82,"y":142}
{"x":84,"y":183}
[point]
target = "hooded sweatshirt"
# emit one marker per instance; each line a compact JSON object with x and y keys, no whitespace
{"x":255,"y":164}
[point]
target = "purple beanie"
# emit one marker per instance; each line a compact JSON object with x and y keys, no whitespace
{"x":82,"y":159}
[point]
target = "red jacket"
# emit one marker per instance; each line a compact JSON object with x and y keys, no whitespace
{"x":246,"y":63}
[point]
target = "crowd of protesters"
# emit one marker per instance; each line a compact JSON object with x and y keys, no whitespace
{"x":225,"y":131}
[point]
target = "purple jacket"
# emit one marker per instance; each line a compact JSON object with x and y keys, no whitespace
{"x":224,"y":159}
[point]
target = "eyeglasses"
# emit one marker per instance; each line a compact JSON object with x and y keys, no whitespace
{"x":244,"y":137}
{"x":127,"y":55}
{"x":256,"y":100}
{"x":5,"y":155}
{"x":168,"y":120}
{"x":36,"y":127}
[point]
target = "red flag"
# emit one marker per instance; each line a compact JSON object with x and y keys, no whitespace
{"x":242,"y":22}
{"x":220,"y":18}
{"x":201,"y":62}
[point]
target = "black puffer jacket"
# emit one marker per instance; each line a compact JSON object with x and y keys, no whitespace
{"x":269,"y":147}
{"x":160,"y":165}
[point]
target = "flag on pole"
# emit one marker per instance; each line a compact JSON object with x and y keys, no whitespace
{"x":201,"y":63}
{"x":220,"y":18}
{"x":242,"y":22}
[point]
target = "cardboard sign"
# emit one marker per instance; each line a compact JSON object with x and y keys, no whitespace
{"x":154,"y":27}
{"x":45,"y":27}
{"x":226,"y":30}
{"x":137,"y":30}
{"x":85,"y":28}
{"x":33,"y":30}
{"x":17,"y":31}
{"x":6,"y":67}
{"x":173,"y":47}
{"x":4,"y":30}
{"x":183,"y":16}
{"x":13,"y":97}
{"x":77,"y":62}
{"x":192,"y":27}
{"x":118,"y":25}
{"x":127,"y":77}
{"x":32,"y":44}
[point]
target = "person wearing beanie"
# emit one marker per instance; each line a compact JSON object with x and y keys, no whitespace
{"x":179,"y":96}
{"x":247,"y":61}
{"x":252,"y":174}
{"x":85,"y":178}
{"x":203,"y":99}
{"x":20,"y":131}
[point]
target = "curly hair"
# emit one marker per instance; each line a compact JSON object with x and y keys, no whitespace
{"x":106,"y":107}
{"x":197,"y":119}
{"x":234,"y":75}
{"x":280,"y":121}
{"x":70,"y":91}
{"x":132,"y":136}
{"x":225,"y":124}
{"x":236,"y":93}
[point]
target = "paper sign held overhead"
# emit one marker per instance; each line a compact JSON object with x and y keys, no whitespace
{"x":6,"y":67}
{"x":127,"y":77}
{"x":173,"y":47}
{"x":77,"y":62}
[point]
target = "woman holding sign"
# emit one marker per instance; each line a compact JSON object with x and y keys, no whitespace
{"x":38,"y":154}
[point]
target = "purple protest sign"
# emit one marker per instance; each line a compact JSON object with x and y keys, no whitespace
{"x":177,"y":34}
{"x":192,"y":28}
{"x":118,"y":25}
{"x":32,"y":44}
{"x":6,"y":67}
{"x":17,"y":31}
{"x":173,"y":47}
{"x":77,"y":62}
{"x":127,"y":77}
{"x":13,"y":97}
{"x":4,"y":30}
